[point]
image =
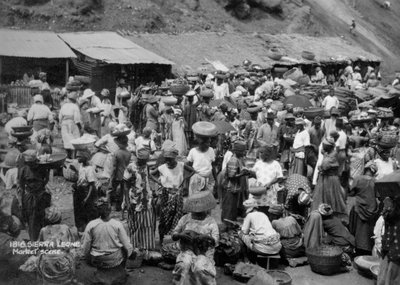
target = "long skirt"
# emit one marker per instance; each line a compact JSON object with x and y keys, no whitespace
{"x":179,"y":138}
{"x":171,"y":211}
{"x":232,"y":204}
{"x":69,"y":131}
{"x":389,"y":273}
{"x":40,"y":124}
{"x":362,"y":230}
{"x":298,"y":166}
{"x":83,"y":213}
{"x":142,"y":226}
{"x":199,"y":183}
{"x":33,"y":209}
{"x":329,"y":191}
{"x":95,"y":123}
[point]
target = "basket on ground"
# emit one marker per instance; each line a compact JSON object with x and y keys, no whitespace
{"x":325,"y":260}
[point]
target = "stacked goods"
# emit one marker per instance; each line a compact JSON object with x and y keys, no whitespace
{"x":82,"y":79}
{"x":347,"y":102}
{"x":74,"y":85}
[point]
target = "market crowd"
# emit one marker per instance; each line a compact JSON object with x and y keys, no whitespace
{"x":161,"y":158}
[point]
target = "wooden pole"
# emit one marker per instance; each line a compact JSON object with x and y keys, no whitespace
{"x":66,"y":70}
{"x":1,"y":66}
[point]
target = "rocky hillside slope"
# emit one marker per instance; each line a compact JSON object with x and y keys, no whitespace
{"x":376,"y":26}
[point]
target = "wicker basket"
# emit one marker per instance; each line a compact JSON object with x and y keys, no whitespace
{"x":257,"y":190}
{"x":179,"y":90}
{"x":82,"y":146}
{"x":308,"y":55}
{"x":313,"y":112}
{"x":274,"y":54}
{"x":325,"y":260}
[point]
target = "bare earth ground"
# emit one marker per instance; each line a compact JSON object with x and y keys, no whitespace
{"x":146,"y":275}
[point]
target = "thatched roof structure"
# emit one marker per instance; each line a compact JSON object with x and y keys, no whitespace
{"x":192,"y":52}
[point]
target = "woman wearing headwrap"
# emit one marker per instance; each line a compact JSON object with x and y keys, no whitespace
{"x":139,"y":198}
{"x":236,"y":183}
{"x":328,"y":189}
{"x":57,"y":268}
{"x":70,"y":121}
{"x":39,"y":115}
{"x":107,"y":115}
{"x":364,"y":213}
{"x":35,"y":198}
{"x":84,"y":191}
{"x":171,"y":197}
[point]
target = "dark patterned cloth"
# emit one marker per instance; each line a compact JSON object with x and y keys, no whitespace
{"x":293,"y":183}
{"x":171,"y":210}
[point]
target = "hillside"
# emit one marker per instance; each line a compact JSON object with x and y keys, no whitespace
{"x":376,"y":26}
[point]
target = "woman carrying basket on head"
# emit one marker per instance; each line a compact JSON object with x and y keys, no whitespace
{"x":171,"y":198}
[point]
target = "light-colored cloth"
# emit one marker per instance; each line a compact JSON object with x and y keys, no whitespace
{"x":203,"y":271}
{"x":342,"y":140}
{"x":384,"y":167}
{"x":379,"y":230}
{"x":221,"y":91}
{"x":141,"y":142}
{"x":183,"y":265}
{"x":301,"y":139}
{"x":267,"y":135}
{"x":227,"y":157}
{"x":329,"y":125}
{"x":389,"y":273}
{"x":108,"y":142}
{"x":14,"y":122}
{"x":202,"y":161}
{"x":11,"y":178}
{"x":86,"y":175}
{"x":118,"y":99}
{"x":171,"y":178}
{"x":105,"y":237}
{"x":58,"y":233}
{"x":178,"y":136}
{"x":40,"y":112}
{"x":69,"y":117}
{"x":259,"y":235}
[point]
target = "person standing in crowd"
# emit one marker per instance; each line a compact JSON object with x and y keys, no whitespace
{"x":39,"y":115}
{"x":202,"y":159}
{"x":298,"y":162}
{"x":165,"y":121}
{"x":316,"y":132}
{"x":171,"y":197}
{"x":328,"y":189}
{"x":18,"y":121}
{"x":122,"y":159}
{"x":151,"y":114}
{"x":267,"y":134}
{"x":70,"y":121}
{"x":145,"y":141}
{"x":106,"y":246}
{"x":221,"y":88}
{"x":287,"y":132}
{"x":139,"y":200}
{"x":257,"y":232}
{"x":107,"y":115}
{"x":341,"y":146}
{"x":319,"y":76}
{"x":190,"y":115}
{"x":178,"y":132}
{"x":330,"y":101}
{"x":95,"y":107}
{"x":364,"y":213}
{"x":35,"y":199}
{"x":204,"y":111}
{"x":330,"y":123}
{"x":250,"y":132}
{"x":84,"y":191}
{"x":122,"y":87}
{"x":236,"y":183}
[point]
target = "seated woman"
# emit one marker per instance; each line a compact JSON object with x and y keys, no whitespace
{"x":106,"y":246}
{"x":203,"y":270}
{"x":198,"y":220}
{"x":290,"y":233}
{"x":257,"y":232}
{"x":321,"y":221}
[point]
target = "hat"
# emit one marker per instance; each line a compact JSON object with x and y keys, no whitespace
{"x":317,"y":120}
{"x":250,"y":204}
{"x":53,"y":214}
{"x":270,"y":115}
{"x":335,"y":111}
{"x":168,"y":144}
{"x":200,"y":202}
{"x":121,"y":141}
{"x":207,"y":93}
{"x":300,"y":121}
{"x":143,"y":154}
{"x":290,"y":116}
{"x":170,"y":152}
{"x":38,"y":98}
{"x":253,"y":109}
{"x":177,"y":111}
{"x":357,"y":68}
{"x":276,"y":210}
{"x":147,"y":132}
{"x":329,"y":141}
{"x":10,"y":159}
{"x":239,"y":146}
{"x":30,"y":155}
{"x":72,"y":95}
{"x":88,"y":93}
{"x":190,"y":93}
{"x":334,"y":134}
{"x":105,"y":92}
{"x":325,"y":209}
{"x":371,"y":166}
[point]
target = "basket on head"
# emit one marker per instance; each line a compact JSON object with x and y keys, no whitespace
{"x":200,"y":202}
{"x":205,"y":129}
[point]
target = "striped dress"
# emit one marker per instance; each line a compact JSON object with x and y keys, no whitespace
{"x":141,"y":218}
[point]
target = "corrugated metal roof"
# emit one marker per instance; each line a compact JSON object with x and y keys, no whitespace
{"x":37,"y":44}
{"x":110,"y":47}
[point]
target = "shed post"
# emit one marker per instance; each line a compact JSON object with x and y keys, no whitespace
{"x":1,"y":67}
{"x":66,"y":70}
